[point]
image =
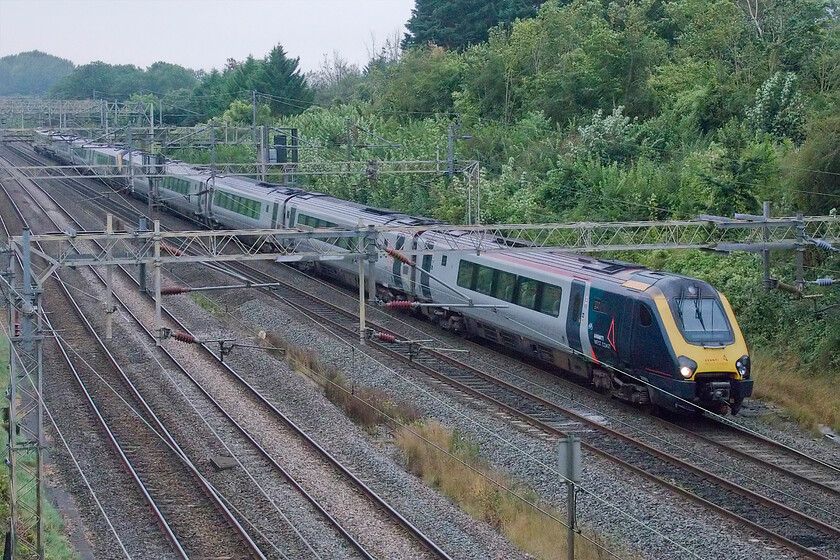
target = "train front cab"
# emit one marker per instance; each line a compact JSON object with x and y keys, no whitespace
{"x":710,"y":365}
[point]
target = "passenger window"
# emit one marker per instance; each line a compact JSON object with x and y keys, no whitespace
{"x":645,"y":318}
{"x":484,"y":280}
{"x":504,"y":285}
{"x":550,"y":301}
{"x":443,"y":260}
{"x":526,"y":295}
{"x":466,"y":273}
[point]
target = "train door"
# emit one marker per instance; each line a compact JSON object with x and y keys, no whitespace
{"x":625,"y":338}
{"x":650,"y":353}
{"x":274,"y":215}
{"x":396,"y":267}
{"x":575,"y":313}
{"x":292,"y":216}
{"x":426,"y":266}
{"x":605,"y":324}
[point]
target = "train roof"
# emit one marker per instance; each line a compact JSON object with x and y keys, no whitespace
{"x":351,"y":212}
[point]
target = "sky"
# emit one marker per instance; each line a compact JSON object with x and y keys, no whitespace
{"x":200,"y":34}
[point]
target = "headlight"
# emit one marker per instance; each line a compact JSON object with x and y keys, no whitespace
{"x":687,"y":366}
{"x":743,"y":366}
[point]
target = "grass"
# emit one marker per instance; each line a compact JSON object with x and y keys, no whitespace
{"x":466,"y":479}
{"x":808,"y":398}
{"x":450,"y":463}
{"x":56,"y":544}
{"x":206,"y":303}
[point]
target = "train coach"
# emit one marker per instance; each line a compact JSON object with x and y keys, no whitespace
{"x":647,"y":337}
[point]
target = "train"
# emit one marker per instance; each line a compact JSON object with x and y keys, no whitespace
{"x":657,"y":339}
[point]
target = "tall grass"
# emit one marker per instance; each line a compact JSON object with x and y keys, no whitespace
{"x":809,"y":398}
{"x":445,"y":460}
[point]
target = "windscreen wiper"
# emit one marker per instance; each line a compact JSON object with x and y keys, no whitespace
{"x":698,"y":312}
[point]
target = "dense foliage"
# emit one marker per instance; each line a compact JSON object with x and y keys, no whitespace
{"x":630,"y":110}
{"x":456,"y":24}
{"x":31,"y":73}
{"x":101,"y":80}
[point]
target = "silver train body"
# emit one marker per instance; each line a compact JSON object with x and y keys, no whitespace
{"x":628,"y":330}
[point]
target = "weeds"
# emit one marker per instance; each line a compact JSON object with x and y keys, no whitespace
{"x":206,"y":303}
{"x":449,"y":462}
{"x":367,"y":406}
{"x":808,"y":398}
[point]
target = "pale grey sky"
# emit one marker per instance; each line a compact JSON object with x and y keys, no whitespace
{"x":199,"y":33}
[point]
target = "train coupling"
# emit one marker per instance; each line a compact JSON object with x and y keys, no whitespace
{"x":715,"y":392}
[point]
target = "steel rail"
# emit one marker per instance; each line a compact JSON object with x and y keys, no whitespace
{"x":353,"y":332}
{"x":700,"y":472}
{"x":112,"y":440}
{"x":167,"y":436}
{"x":426,"y":541}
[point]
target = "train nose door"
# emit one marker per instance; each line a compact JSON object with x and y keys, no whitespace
{"x":575,"y":313}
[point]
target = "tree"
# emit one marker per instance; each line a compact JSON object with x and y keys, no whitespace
{"x":818,"y":167}
{"x":279,"y":77}
{"x":162,"y":77}
{"x":456,"y":24}
{"x":31,"y":73}
{"x":778,"y":108}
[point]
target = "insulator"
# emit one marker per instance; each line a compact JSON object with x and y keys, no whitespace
{"x":825,"y":282}
{"x":173,"y":290}
{"x":824,"y":245}
{"x":400,"y":304}
{"x":184,"y":337}
{"x":385,"y":337}
{"x":399,"y":256}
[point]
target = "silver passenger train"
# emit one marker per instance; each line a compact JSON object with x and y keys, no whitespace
{"x":646,"y":337}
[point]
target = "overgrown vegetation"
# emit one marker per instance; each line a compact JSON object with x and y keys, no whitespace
{"x":451,"y":463}
{"x":206,"y":303}
{"x":367,"y":406}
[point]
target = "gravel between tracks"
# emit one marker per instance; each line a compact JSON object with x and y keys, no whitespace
{"x":527,"y":455}
{"x":702,"y":533}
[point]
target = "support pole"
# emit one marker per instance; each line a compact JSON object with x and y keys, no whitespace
{"x":26,"y":436}
{"x":768,"y":283}
{"x":349,"y":125}
{"x":568,"y":464}
{"x":254,"y":114}
{"x":141,"y":268}
{"x":800,"y":252}
{"x":158,"y":322}
{"x":109,"y":283}
{"x":130,"y":166}
{"x":361,"y":297}
{"x":262,"y":158}
{"x":40,"y":443}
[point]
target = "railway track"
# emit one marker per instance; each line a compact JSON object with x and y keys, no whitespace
{"x":786,"y":526}
{"x":186,"y":507}
{"x":803,"y":533}
{"x":256,"y":449}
